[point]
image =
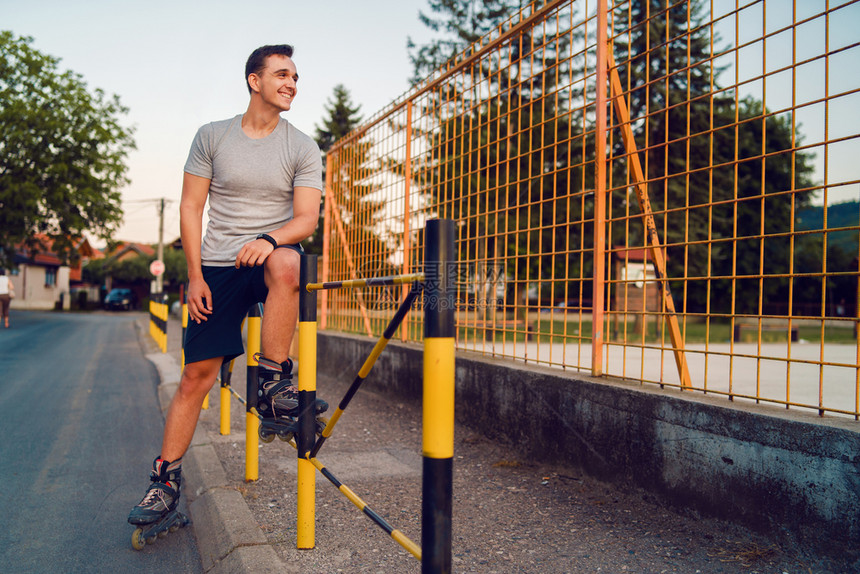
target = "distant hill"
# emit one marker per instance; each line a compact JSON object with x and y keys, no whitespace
{"x":845,"y":214}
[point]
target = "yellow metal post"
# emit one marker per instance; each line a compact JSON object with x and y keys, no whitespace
{"x":252,"y":423}
{"x":306,"y":503}
{"x":205,"y":405}
{"x":225,"y":410}
{"x":226,"y":375}
{"x":407,"y":206}
{"x":182,"y":297}
{"x":165,"y":310}
{"x":151,"y":317}
{"x":326,"y":239}
{"x":598,"y":285}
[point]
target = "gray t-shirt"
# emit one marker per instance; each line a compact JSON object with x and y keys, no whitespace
{"x":252,"y":182}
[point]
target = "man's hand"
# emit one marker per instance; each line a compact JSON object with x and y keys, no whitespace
{"x":199,"y":300}
{"x":254,"y":253}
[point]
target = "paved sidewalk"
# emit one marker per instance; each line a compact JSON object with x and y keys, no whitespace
{"x":510,"y":514}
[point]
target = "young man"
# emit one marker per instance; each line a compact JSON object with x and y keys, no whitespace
{"x":262,"y":178}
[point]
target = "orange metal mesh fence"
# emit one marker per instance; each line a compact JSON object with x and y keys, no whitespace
{"x":665,"y":192}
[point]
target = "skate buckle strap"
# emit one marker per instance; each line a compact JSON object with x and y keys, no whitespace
{"x":267,"y":363}
{"x":161,"y":474}
{"x":279,"y":386}
{"x":164,"y":482}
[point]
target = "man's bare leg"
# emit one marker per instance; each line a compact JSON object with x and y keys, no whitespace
{"x":197,"y":380}
{"x":156,"y":512}
{"x":282,"y":304}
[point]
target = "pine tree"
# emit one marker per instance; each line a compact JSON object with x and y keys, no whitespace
{"x":343,"y":117}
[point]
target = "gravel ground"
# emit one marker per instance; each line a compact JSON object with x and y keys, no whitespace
{"x":511,"y":514}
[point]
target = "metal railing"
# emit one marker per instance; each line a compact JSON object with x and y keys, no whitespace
{"x":662,"y":191}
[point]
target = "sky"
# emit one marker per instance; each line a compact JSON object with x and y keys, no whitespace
{"x":179,"y":64}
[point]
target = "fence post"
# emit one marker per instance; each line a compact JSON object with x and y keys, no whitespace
{"x":306,"y":437}
{"x":205,"y":405}
{"x":182,"y":299}
{"x":165,"y":316}
{"x":151,"y":316}
{"x":252,"y":423}
{"x":598,"y":291}
{"x":226,"y":375}
{"x":440,"y":275}
{"x":407,"y":209}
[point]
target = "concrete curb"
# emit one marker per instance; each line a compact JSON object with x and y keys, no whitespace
{"x":228,"y":537}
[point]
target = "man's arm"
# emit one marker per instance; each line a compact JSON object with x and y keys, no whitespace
{"x":306,"y":213}
{"x":195,"y":190}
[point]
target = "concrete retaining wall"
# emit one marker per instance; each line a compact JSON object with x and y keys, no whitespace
{"x":777,"y":471}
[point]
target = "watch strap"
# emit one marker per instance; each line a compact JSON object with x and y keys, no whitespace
{"x":268,"y":238}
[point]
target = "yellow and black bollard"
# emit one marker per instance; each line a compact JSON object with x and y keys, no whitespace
{"x":305,"y":526}
{"x":252,"y":421}
{"x":158,"y":319}
{"x":438,"y":411}
{"x":153,"y":327}
{"x":163,"y":309}
{"x":184,"y":313}
{"x":226,"y":375}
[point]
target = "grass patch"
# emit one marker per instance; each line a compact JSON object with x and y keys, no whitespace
{"x":548,"y":329}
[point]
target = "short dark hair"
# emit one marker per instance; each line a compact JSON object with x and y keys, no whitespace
{"x":257,"y":60}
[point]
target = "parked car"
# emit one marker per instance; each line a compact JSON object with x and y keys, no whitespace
{"x":124,"y":299}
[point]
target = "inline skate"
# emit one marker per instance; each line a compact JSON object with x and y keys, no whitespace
{"x":157,"y":514}
{"x":278,"y":401}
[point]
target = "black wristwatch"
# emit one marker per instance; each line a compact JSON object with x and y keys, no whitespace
{"x":268,"y":238}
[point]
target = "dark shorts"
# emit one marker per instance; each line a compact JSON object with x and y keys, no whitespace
{"x":234,"y":292}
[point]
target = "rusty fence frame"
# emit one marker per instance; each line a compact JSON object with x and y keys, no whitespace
{"x":632,"y":184}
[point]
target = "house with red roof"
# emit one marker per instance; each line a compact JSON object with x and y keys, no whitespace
{"x":41,"y":278}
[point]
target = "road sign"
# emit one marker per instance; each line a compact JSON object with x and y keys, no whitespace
{"x":156,"y":267}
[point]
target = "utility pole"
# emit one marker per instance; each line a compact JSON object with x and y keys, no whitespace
{"x":159,"y":280}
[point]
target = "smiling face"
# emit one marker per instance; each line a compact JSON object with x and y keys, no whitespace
{"x":276,"y":82}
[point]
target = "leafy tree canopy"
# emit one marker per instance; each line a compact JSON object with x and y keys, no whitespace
{"x":459,"y":24}
{"x":62,"y":152}
{"x":135,"y":270}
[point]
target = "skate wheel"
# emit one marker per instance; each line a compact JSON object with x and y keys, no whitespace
{"x":266,"y":437}
{"x":163,"y":534}
{"x":151,"y":539}
{"x":322,"y":422}
{"x":173,"y":528}
{"x":285,"y":436}
{"x":137,"y":542}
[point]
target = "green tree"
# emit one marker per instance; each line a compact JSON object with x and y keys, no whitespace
{"x":62,"y":152}
{"x":460,"y":23}
{"x":703,"y":155}
{"x":511,"y":146}
{"x":175,"y":268}
{"x":135,"y":270}
{"x":343,"y":117}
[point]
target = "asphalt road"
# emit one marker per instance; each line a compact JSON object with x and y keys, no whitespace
{"x":80,"y":423}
